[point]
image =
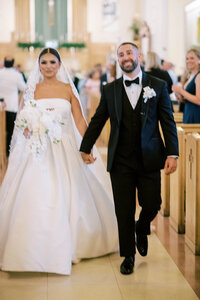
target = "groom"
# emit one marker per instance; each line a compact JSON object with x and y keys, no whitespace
{"x":135,"y":104}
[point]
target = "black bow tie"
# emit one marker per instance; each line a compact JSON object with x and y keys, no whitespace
{"x":129,"y":82}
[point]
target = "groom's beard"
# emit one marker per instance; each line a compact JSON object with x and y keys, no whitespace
{"x":131,"y":68}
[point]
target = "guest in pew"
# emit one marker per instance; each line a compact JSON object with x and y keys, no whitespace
{"x":153,"y":67}
{"x":135,"y":104}
{"x":181,"y":81}
{"x":109,"y":75}
{"x":169,"y":67}
{"x":11,"y":81}
{"x":75,"y":78}
{"x":92,"y":87}
{"x":19,"y":68}
{"x":190,"y":93}
{"x":93,"y":83}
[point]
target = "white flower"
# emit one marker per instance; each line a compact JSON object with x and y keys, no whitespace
{"x":148,"y":93}
{"x":28,"y":116}
{"x":55,"y":133}
{"x":43,"y":124}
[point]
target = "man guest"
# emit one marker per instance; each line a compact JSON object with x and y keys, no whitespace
{"x":135,"y":103}
{"x":11,"y":81}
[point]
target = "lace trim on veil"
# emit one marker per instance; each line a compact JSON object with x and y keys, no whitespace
{"x":34,"y":78}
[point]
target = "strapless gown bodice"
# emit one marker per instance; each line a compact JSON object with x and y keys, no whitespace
{"x":56,"y":210}
{"x":62,"y":107}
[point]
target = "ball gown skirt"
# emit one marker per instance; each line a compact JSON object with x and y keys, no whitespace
{"x":55,"y":210}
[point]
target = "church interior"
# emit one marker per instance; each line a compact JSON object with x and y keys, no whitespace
{"x":87,"y":33}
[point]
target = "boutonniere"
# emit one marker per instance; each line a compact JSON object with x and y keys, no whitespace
{"x":148,"y":93}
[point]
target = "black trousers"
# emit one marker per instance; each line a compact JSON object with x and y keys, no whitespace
{"x":125,"y":181}
{"x":10,"y":122}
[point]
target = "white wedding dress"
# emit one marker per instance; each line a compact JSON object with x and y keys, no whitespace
{"x":55,"y":210}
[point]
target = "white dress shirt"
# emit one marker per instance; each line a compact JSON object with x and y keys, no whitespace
{"x":133,"y":91}
{"x":11,"y":81}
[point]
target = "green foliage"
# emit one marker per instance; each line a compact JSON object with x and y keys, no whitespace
{"x":135,"y":27}
{"x":28,"y":45}
{"x":41,"y":45}
{"x":74,"y":45}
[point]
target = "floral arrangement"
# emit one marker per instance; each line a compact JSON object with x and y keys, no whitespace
{"x":148,"y":93}
{"x":135,"y":28}
{"x":42,"y":125}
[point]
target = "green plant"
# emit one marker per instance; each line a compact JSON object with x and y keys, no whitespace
{"x":74,"y":45}
{"x":28,"y":45}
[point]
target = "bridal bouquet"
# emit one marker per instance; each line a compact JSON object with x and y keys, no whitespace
{"x":42,"y":125}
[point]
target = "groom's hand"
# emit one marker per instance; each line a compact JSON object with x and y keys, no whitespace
{"x":88,"y":158}
{"x":170,"y":165}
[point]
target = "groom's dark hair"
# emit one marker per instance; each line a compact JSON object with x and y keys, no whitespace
{"x":127,"y":43}
{"x":50,"y":50}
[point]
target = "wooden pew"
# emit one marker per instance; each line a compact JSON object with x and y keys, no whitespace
{"x":192,"y":217}
{"x":165,"y":194}
{"x":177,"y":212}
{"x":178,"y":180}
{"x":3,"y":159}
{"x":178,"y":117}
{"x":165,"y":179}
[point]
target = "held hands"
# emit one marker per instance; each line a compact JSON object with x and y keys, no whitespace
{"x":170,"y":165}
{"x":88,"y":158}
{"x":177,"y":89}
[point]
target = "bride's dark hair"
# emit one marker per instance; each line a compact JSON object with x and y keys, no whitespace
{"x":50,"y":50}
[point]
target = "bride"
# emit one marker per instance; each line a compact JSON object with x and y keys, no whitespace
{"x":54,"y":209}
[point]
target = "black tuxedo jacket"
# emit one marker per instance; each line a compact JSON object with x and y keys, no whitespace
{"x":154,"y":111}
{"x":103,"y":79}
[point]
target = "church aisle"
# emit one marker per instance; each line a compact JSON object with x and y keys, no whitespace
{"x":155,"y":277}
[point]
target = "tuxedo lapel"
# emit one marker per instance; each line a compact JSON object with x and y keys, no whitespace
{"x":118,"y":86}
{"x":146,"y":81}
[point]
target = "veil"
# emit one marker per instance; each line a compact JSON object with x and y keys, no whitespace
{"x":34,"y":78}
{"x":97,"y":168}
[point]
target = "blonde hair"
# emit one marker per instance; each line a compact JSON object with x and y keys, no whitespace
{"x":195,"y":51}
{"x":152,"y":61}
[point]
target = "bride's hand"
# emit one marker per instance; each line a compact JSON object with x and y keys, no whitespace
{"x":27,"y":133}
{"x":88,"y":158}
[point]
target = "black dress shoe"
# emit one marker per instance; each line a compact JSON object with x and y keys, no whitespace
{"x":127,"y":265}
{"x":142,"y":244}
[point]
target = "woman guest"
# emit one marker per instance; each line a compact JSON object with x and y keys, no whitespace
{"x":190,"y":93}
